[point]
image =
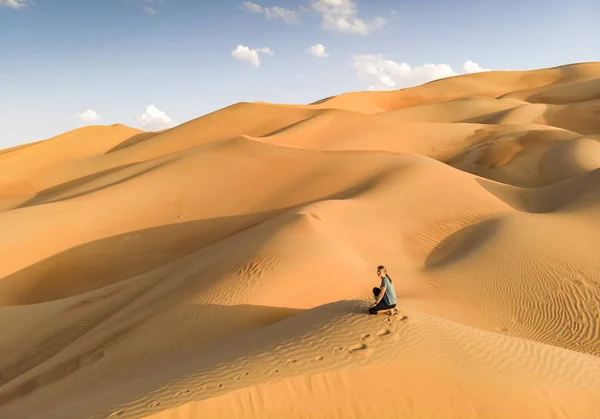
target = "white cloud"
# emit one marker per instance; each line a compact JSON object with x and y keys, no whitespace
{"x":154,"y":119}
{"x":149,"y":10}
{"x":342,"y":16}
{"x":338,"y":15}
{"x":244,"y":53}
{"x":318,"y":50}
{"x":89,"y":116}
{"x":472,"y":67}
{"x":388,"y":74}
{"x":16,"y":4}
{"x":381,"y":73}
{"x":273,"y":13}
{"x":253,"y":7}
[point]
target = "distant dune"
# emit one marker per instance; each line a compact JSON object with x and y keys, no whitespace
{"x":223,"y":268}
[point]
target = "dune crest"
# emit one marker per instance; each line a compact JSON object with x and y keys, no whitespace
{"x":223,"y":268}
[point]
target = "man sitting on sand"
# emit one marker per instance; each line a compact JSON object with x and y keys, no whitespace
{"x":385,"y":295}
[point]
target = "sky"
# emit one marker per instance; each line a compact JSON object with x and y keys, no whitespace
{"x":153,"y":64}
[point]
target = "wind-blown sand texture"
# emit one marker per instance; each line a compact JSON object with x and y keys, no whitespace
{"x":223,"y":268}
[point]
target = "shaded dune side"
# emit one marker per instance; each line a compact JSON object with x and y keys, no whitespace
{"x":25,"y":161}
{"x":531,"y":157}
{"x":461,"y":109}
{"x":520,"y":114}
{"x":241,"y":118}
{"x":28,"y":169}
{"x":561,"y":93}
{"x":337,"y":130}
{"x":579,"y":117}
{"x":569,"y":159}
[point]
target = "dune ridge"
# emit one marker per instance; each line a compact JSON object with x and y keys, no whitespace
{"x":223,"y":268}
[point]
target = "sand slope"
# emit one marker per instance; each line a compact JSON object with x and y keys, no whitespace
{"x":223,"y":268}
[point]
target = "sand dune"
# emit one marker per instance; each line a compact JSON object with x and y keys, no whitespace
{"x":223,"y":268}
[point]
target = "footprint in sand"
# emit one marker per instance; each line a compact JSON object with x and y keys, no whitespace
{"x":218,"y":386}
{"x":359,"y":347}
{"x":317,"y":358}
{"x":337,"y":350}
{"x":383,"y":333}
{"x":117,"y":414}
{"x":182,"y":392}
{"x":271,"y":372}
{"x":153,"y":403}
{"x":291,"y":361}
{"x":365,"y":337}
{"x":397,"y":318}
{"x":242,"y":375}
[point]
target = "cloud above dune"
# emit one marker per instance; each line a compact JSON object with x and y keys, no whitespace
{"x":342,"y":16}
{"x":244,"y":53}
{"x":387,"y":73}
{"x":149,"y":10}
{"x":16,"y":4}
{"x":318,"y":50}
{"x":89,"y":116}
{"x":154,"y":119}
{"x":382,"y":73}
{"x":274,"y":13}
{"x":472,"y":67}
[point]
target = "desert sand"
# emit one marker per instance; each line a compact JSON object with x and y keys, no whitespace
{"x":223,"y":268}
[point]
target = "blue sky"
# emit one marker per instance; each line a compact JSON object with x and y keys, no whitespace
{"x":152,"y":64}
